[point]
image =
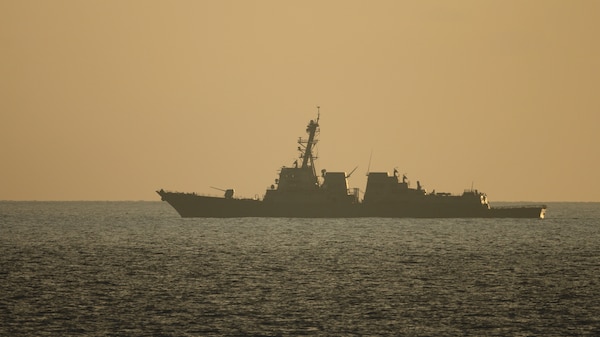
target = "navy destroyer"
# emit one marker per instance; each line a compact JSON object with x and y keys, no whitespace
{"x":300,"y":193}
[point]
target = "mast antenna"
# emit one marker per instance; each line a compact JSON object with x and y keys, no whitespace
{"x":318,"y":113}
{"x":369,"y":167}
{"x":349,"y":174}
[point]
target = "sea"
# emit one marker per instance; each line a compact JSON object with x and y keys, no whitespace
{"x":138,"y":269}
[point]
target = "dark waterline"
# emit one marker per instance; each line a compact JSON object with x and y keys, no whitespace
{"x":135,"y":268}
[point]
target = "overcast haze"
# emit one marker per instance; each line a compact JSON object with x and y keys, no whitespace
{"x":112,"y":100}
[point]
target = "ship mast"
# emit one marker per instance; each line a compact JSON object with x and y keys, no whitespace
{"x":311,"y":129}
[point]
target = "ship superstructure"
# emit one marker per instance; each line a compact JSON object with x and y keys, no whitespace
{"x":300,"y":187}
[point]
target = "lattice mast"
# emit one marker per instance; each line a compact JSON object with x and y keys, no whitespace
{"x":308,"y":159}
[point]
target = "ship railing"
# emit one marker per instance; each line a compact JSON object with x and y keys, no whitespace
{"x":521,"y":206}
{"x":212,"y":195}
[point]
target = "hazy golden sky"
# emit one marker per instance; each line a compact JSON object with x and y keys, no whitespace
{"x":111,"y":100}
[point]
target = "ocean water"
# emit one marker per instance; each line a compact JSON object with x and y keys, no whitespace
{"x":138,"y":269}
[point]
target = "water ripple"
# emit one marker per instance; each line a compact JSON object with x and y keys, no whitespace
{"x":114,"y":269}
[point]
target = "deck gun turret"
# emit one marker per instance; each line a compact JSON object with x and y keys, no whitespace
{"x":228,"y":192}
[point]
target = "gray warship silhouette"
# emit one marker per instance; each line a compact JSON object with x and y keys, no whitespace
{"x":300,"y":193}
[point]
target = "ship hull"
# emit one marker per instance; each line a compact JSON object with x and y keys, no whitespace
{"x":190,"y":205}
{"x":518,"y":212}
